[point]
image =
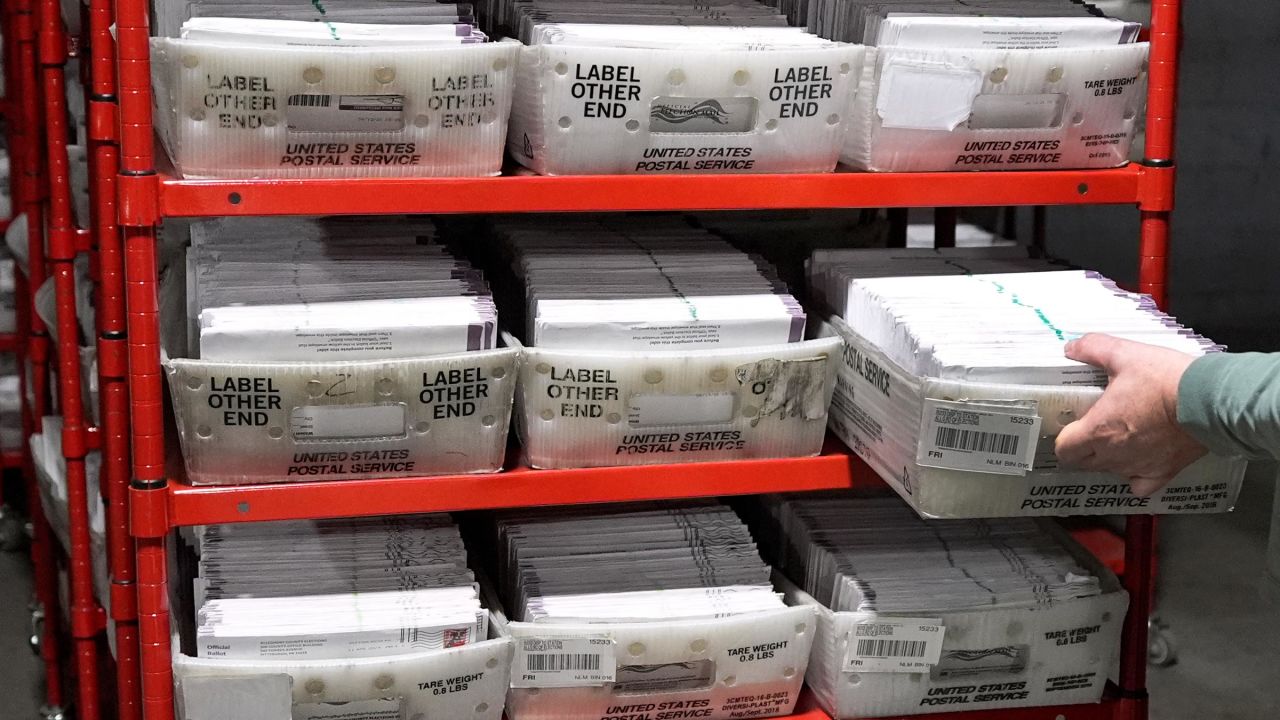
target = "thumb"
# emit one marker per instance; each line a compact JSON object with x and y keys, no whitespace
{"x":1096,"y":349}
{"x":1074,"y":443}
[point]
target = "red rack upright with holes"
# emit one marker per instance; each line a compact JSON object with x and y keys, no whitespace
{"x":158,"y":504}
{"x":113,"y":390}
{"x":66,"y":241}
{"x":30,"y":191}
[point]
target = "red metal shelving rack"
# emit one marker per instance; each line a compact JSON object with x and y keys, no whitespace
{"x":29,"y":183}
{"x":64,"y":242}
{"x":113,"y":389}
{"x":157,"y":504}
{"x":9,"y":342}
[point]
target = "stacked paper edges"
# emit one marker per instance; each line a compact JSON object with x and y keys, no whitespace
{"x":674,"y":347}
{"x":922,"y":617}
{"x":333,"y":641}
{"x":988,"y":86}
{"x":281,"y":98}
{"x":344,"y":350}
{"x":653,"y":87}
{"x":679,"y":614}
{"x":968,"y":432}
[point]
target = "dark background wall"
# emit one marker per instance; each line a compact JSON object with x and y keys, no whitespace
{"x":1225,"y":259}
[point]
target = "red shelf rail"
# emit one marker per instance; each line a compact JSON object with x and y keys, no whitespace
{"x":1132,"y":184}
{"x":146,"y":196}
{"x":517,"y":487}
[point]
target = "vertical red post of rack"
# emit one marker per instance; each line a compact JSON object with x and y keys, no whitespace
{"x":16,"y":140}
{"x":1155,"y":206}
{"x":31,"y":192}
{"x":138,"y":187}
{"x":33,"y":181}
{"x":104,"y":154}
{"x":85,"y":614}
{"x":12,"y":139}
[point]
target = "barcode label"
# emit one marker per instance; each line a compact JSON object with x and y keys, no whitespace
{"x":890,"y":644}
{"x":978,"y":436}
{"x":891,"y":648}
{"x":974,"y":441}
{"x":310,"y":100}
{"x":557,"y":661}
{"x":345,"y":113}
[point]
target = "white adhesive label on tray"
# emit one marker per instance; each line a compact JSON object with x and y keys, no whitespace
{"x":345,"y":113}
{"x":246,"y":697}
{"x":664,"y":410}
{"x":379,"y":709}
{"x":336,"y":646}
{"x":559,"y":661}
{"x":921,"y":96}
{"x":980,"y":437}
{"x":346,"y":422}
{"x":895,"y":645}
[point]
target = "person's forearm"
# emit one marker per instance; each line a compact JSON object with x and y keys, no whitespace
{"x":1230,"y":402}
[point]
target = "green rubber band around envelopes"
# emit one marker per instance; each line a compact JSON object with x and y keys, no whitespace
{"x":333,"y":31}
{"x":1013,"y":297}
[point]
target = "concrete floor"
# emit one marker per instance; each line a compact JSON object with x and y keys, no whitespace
{"x":21,"y":685}
{"x":1223,"y":613}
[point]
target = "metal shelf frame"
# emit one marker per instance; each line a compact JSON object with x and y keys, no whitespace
{"x":522,"y":193}
{"x":146,"y":194}
{"x":29,"y":189}
{"x":185,"y":505}
{"x":86,"y":615}
{"x":55,"y":243}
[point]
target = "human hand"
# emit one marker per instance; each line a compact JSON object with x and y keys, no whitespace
{"x":1133,"y":429}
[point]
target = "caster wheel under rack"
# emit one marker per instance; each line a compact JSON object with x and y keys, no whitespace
{"x":48,"y":712}
{"x":37,"y":631}
{"x":1162,"y":651}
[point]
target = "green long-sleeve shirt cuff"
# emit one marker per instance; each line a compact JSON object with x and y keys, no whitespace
{"x":1230,"y":402}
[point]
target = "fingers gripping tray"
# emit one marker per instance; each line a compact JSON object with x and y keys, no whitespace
{"x":468,"y":682}
{"x":583,"y":110}
{"x":314,"y":112}
{"x":273,"y":422}
{"x":905,"y":427}
{"x":949,"y":109}
{"x":591,"y":409}
{"x":1058,"y":653}
{"x":744,"y":666}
